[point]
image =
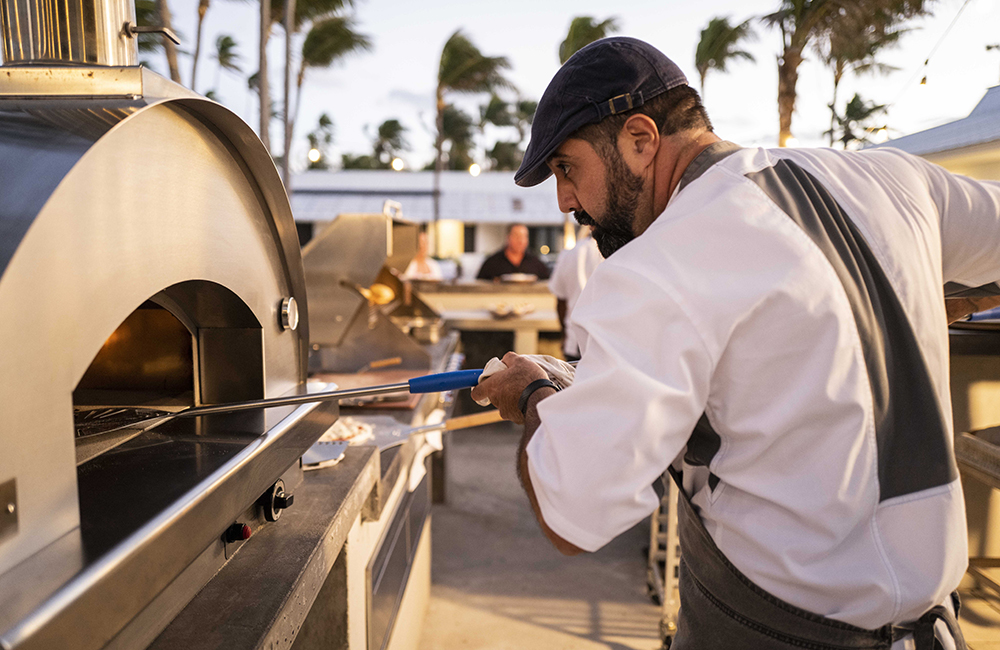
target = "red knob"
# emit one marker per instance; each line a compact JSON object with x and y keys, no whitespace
{"x":238,"y":532}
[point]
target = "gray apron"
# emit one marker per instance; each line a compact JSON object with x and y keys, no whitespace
{"x":721,"y":608}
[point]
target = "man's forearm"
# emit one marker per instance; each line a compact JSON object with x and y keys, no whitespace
{"x":531,"y":423}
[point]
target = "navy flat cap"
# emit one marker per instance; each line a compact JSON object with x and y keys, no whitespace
{"x":608,"y":76}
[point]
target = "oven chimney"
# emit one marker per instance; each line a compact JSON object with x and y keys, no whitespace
{"x":85,"y":32}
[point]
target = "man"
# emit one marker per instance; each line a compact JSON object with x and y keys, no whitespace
{"x":771,"y":324}
{"x":514,"y":258}
{"x":573,"y":268}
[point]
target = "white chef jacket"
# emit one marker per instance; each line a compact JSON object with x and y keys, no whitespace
{"x":728,"y":307}
{"x":413,"y":271}
{"x":573,"y":268}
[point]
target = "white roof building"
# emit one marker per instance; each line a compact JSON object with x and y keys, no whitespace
{"x":969,"y":146}
{"x":491,"y":197}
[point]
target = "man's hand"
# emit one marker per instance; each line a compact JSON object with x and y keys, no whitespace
{"x":504,"y":388}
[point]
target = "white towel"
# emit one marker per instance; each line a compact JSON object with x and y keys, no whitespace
{"x":560,"y":372}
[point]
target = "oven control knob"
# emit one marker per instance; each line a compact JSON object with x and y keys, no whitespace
{"x":283,"y":500}
{"x":289,"y":314}
{"x":238,"y":532}
{"x":275,"y":500}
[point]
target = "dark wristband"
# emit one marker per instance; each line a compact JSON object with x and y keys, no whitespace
{"x":522,"y":404}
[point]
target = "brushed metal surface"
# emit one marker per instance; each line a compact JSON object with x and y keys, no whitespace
{"x":980,"y":451}
{"x":330,"y":263}
{"x":388,"y":571}
{"x":68,"y":31}
{"x":8,"y":508}
{"x":404,"y":245}
{"x":87,"y":81}
{"x":370,"y":336}
{"x":83,"y":81}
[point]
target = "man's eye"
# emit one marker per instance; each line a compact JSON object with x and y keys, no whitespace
{"x":564,"y":169}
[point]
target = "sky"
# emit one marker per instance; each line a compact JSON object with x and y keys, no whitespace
{"x":397,"y":79}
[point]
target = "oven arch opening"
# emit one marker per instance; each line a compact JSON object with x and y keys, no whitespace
{"x":193,"y":343}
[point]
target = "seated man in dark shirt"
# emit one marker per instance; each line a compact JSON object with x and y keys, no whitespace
{"x":514,"y":258}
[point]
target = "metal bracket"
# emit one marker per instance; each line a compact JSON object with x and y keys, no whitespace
{"x":8,"y":508}
{"x":132,"y":30}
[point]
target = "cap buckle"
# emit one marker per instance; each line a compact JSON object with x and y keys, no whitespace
{"x":614,"y":107}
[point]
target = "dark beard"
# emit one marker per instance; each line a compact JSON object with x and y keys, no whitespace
{"x":623,"y":191}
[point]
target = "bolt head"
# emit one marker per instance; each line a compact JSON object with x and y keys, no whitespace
{"x":11,"y":508}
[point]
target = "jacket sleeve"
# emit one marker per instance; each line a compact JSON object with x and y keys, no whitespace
{"x":638,"y":393}
{"x":969,"y":212}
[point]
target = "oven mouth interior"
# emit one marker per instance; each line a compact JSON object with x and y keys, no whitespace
{"x":144,"y":369}
{"x":191,"y":344}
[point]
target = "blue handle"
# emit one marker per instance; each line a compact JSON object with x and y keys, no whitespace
{"x":445,"y":381}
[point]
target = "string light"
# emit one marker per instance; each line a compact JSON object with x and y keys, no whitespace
{"x":923,"y":69}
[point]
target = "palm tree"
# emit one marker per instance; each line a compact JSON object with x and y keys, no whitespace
{"x":389,"y":142}
{"x":226,"y":55}
{"x":851,"y":45}
{"x":263,"y":82}
{"x":584,"y":30}
{"x":463,"y":69}
{"x":458,"y":128}
{"x":718,"y":46}
{"x":524,"y":115}
{"x":505,"y":156}
{"x":320,"y":139}
{"x":496,"y":112}
{"x":800,"y":21}
{"x":328,"y":40}
{"x":293,"y":16}
{"x":202,"y":10}
{"x":857,"y":114}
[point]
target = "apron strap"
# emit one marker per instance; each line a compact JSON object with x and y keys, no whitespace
{"x":928,"y":636}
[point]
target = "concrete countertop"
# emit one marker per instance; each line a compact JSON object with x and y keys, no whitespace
{"x":481,"y":286}
{"x":261,"y":596}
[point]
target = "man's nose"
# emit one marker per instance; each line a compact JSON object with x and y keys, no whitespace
{"x":566,"y":197}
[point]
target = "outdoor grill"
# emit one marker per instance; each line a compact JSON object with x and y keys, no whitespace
{"x":148,"y":262}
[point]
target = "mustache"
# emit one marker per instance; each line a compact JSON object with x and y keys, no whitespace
{"x":584,"y":219}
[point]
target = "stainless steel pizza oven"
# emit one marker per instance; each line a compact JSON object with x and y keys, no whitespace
{"x":148,"y":262}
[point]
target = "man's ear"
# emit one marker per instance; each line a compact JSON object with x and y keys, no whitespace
{"x":639,"y":140}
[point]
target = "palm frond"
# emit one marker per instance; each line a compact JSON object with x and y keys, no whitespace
{"x":465,"y":69}
{"x":307,"y":11}
{"x":330,"y":39}
{"x":584,"y":30}
{"x":226,"y":54}
{"x":718,"y":45}
{"x":496,"y":112}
